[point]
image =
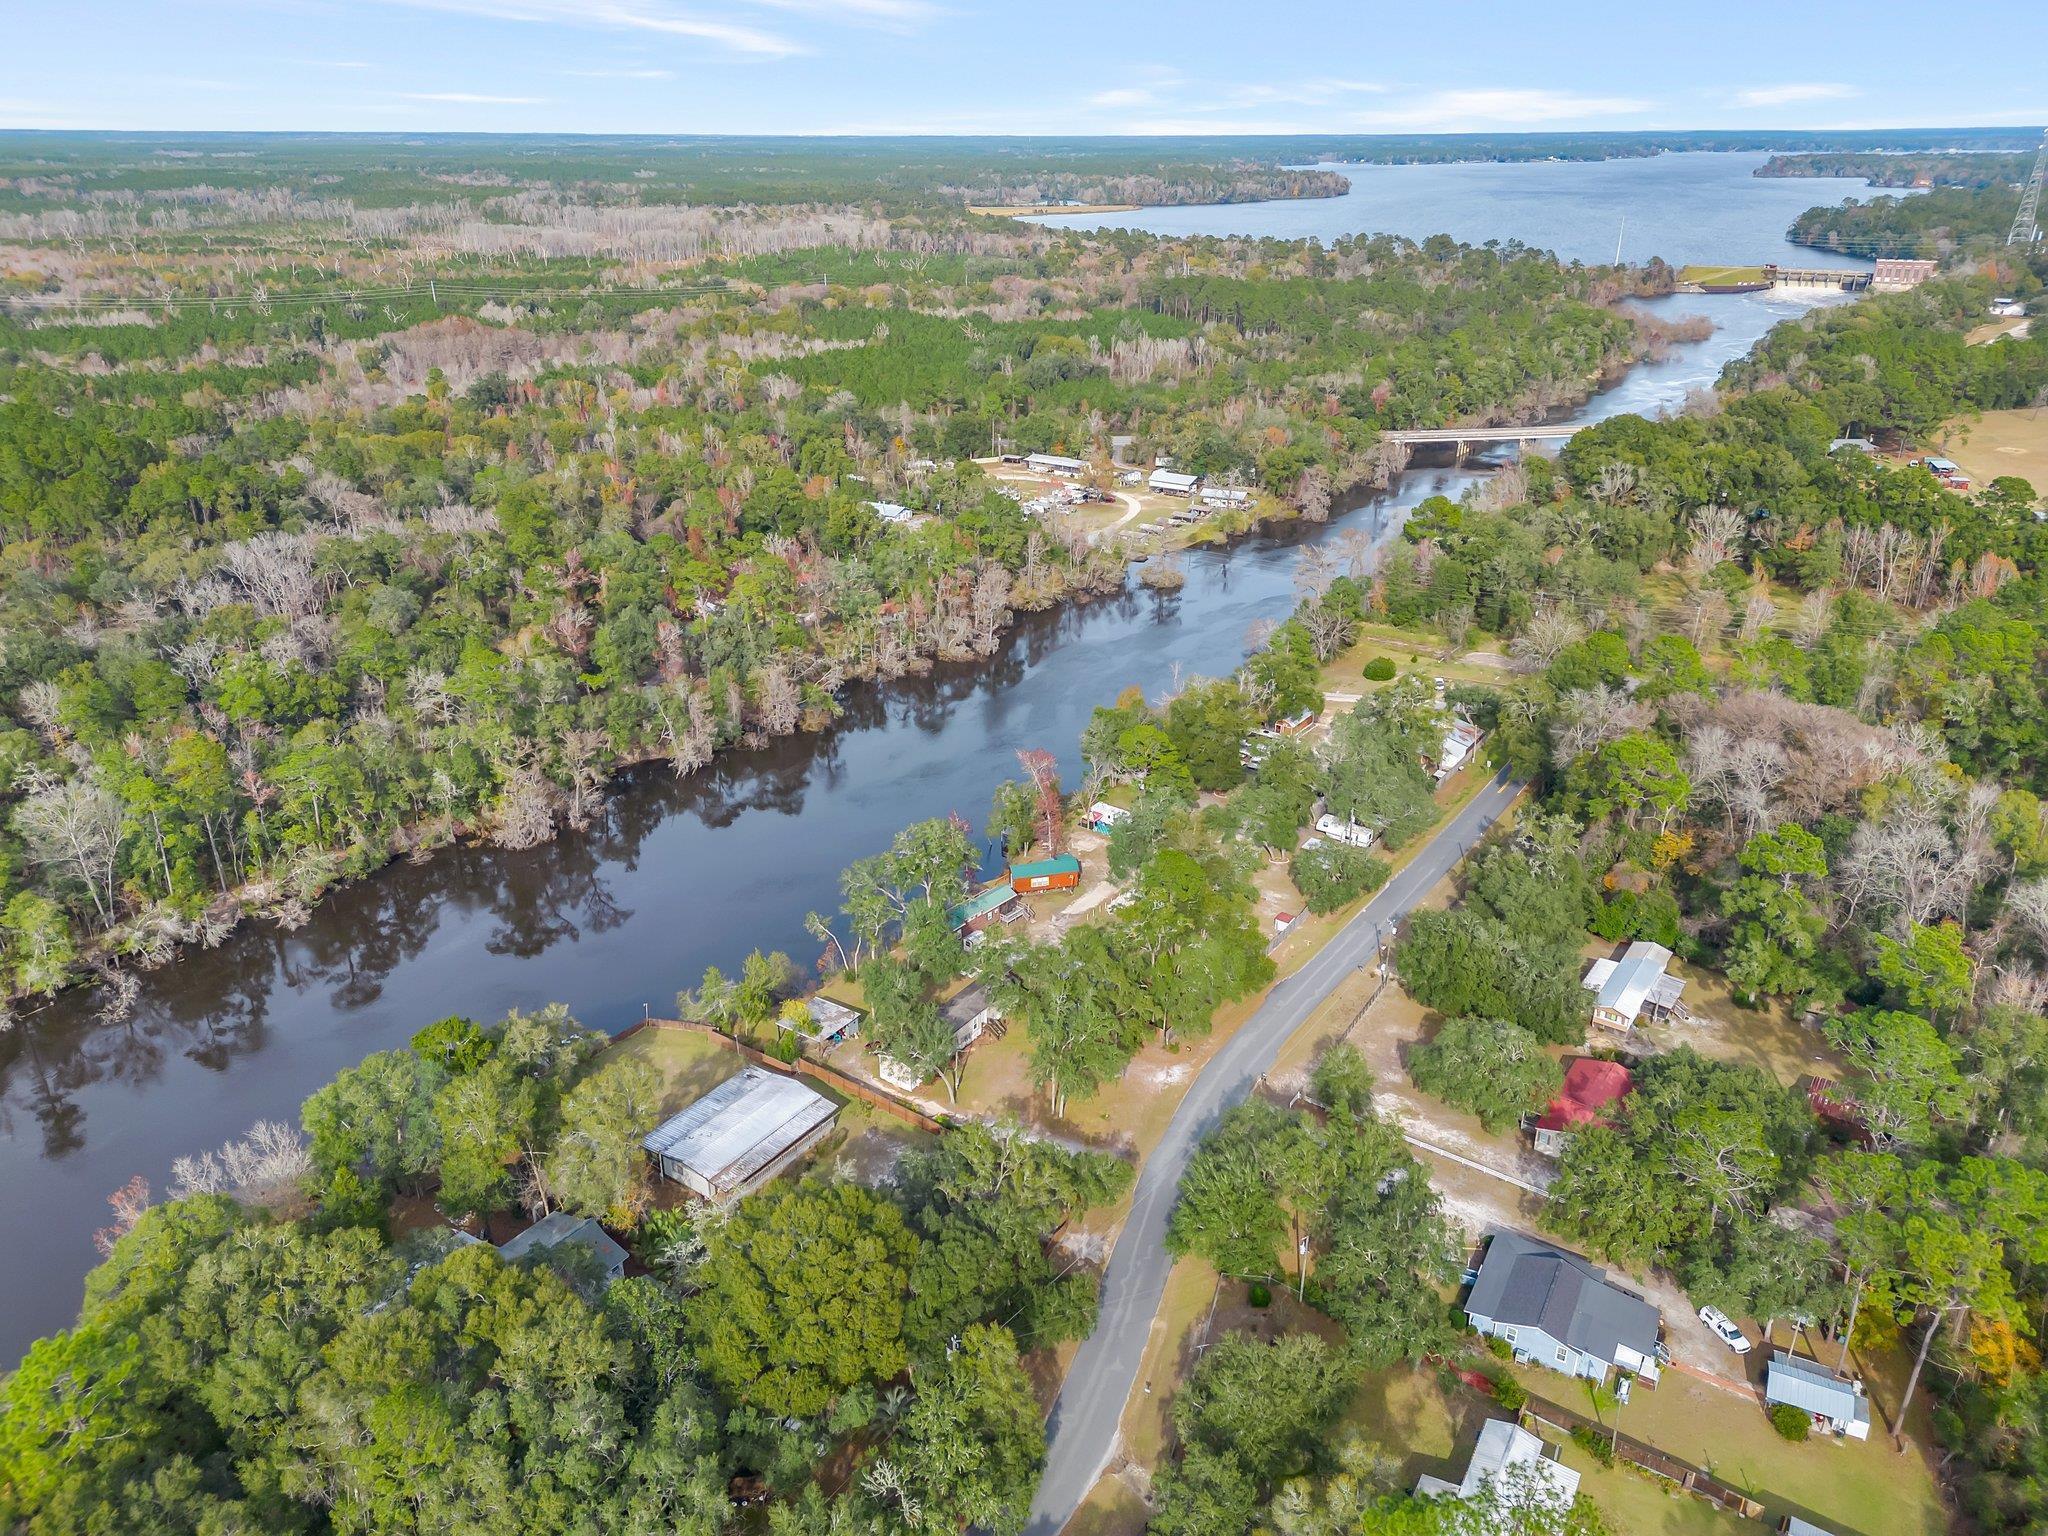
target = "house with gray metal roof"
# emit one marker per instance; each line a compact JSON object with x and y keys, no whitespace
{"x":562,"y":1230}
{"x":741,"y":1134}
{"x":1522,"y":1471}
{"x":1636,"y":985}
{"x":1561,"y":1311}
{"x":1837,"y":1406}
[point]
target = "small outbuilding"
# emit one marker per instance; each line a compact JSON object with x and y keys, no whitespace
{"x":1106,"y":818}
{"x":825,"y":1021}
{"x":741,"y":1134}
{"x":1062,"y":872}
{"x":562,"y":1230}
{"x":1638,"y":986}
{"x":1837,"y":1406}
{"x":1592,"y":1088}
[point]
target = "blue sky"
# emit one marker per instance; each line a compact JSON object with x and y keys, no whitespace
{"x":978,"y":66}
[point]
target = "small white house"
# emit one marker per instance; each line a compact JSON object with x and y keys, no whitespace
{"x":1056,"y":464}
{"x":1461,"y":739}
{"x":2008,"y":309}
{"x":1171,"y":482}
{"x":1523,"y":1473}
{"x":1106,"y":818}
{"x":1635,"y":987}
{"x":970,"y":1011}
{"x":1338,"y":830}
{"x":893,"y":512}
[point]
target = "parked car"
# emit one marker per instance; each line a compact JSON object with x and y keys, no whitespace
{"x":1725,"y":1330}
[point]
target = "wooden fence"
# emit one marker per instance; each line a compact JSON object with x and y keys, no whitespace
{"x":1637,"y":1453}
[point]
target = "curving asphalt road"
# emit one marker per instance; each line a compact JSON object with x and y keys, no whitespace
{"x":1082,"y":1431}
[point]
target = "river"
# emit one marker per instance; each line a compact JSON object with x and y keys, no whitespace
{"x":1709,"y":209}
{"x":677,"y":876}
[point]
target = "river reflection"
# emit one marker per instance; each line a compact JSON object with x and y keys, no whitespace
{"x":674,"y":876}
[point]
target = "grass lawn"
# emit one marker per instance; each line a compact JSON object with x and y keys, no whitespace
{"x":1704,"y":275}
{"x":689,"y":1064}
{"x":1769,"y":1037}
{"x":1850,"y":1488}
{"x":1999,"y":443}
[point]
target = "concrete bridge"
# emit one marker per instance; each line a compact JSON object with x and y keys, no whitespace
{"x":1464,"y":440}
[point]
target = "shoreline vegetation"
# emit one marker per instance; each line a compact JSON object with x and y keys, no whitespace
{"x":300,"y":583}
{"x":1804,"y":750}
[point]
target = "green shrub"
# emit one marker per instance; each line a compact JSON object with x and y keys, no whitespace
{"x":1380,"y":670}
{"x":1595,"y":1444}
{"x":1793,"y":1423}
{"x":1510,"y":1394}
{"x":1499,"y":1347}
{"x":1260,"y":1294}
{"x":1335,"y":875}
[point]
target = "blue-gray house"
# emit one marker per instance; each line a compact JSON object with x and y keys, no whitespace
{"x":1558,"y":1310}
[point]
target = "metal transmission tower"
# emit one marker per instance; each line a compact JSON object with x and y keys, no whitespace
{"x":2026,"y":228}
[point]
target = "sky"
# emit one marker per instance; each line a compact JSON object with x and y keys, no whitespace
{"x":1004,"y":66}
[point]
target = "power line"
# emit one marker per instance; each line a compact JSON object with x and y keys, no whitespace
{"x":2026,"y":227}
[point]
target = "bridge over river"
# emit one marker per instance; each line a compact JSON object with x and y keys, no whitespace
{"x":1465,"y":440}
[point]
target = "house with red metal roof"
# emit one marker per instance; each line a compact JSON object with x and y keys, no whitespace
{"x":1591,"y":1090}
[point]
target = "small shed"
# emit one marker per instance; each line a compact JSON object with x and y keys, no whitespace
{"x":825,"y":1022}
{"x":1837,"y":1406}
{"x":741,"y":1134}
{"x":1592,"y":1088}
{"x":994,"y":904}
{"x":1062,"y":872}
{"x":561,"y":1230}
{"x":1106,"y":818}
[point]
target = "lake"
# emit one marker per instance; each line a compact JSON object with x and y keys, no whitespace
{"x":678,"y":875}
{"x":1708,"y":209}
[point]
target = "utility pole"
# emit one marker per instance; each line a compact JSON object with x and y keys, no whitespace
{"x":2026,"y":227}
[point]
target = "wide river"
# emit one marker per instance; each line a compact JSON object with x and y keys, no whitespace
{"x":679,"y":875}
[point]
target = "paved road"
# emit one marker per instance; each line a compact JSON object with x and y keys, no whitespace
{"x":1082,"y":1431}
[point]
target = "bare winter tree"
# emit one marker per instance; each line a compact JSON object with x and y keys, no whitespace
{"x":527,"y":805}
{"x":75,"y":825}
{"x":264,"y":1167}
{"x":989,"y":609}
{"x":1547,"y":633}
{"x":1587,"y":719}
{"x":1906,"y":867}
{"x":1717,"y":536}
{"x":781,"y":701}
{"x":1312,"y":494}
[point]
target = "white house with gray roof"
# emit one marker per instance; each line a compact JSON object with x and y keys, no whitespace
{"x":1559,"y":1310}
{"x":1637,"y":984}
{"x":1521,"y":1472}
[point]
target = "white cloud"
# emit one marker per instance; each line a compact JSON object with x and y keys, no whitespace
{"x":1454,"y":111}
{"x":1786,"y":95}
{"x":473,"y":99}
{"x":656,"y":16}
{"x":1124,"y":96}
{"x":893,"y":13}
{"x":622,"y":74}
{"x":341,"y":64}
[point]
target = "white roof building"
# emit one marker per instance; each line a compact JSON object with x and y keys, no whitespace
{"x":1518,"y":1466}
{"x":1460,"y":737}
{"x":1225,"y":496}
{"x":1171,"y":482}
{"x":1638,"y":983}
{"x":893,"y":512}
{"x":1055,"y":464}
{"x":741,"y":1134}
{"x":1838,"y":1406}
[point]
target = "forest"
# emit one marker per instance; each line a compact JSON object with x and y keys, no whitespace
{"x":297,"y":584}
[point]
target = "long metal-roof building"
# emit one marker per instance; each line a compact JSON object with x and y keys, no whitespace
{"x":741,"y":1134}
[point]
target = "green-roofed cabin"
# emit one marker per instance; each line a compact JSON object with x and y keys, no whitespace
{"x":982,"y":908}
{"x":1056,"y":874}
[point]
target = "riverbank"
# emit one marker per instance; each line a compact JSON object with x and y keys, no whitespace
{"x":672,"y":875}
